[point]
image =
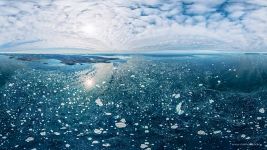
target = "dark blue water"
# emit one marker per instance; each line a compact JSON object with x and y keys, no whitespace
{"x":135,"y":102}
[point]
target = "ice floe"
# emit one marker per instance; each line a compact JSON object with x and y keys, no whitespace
{"x":179,"y":108}
{"x":261,"y":110}
{"x":175,"y":126}
{"x":201,"y":132}
{"x":29,"y":139}
{"x":98,"y":131}
{"x":121,"y":123}
{"x":99,"y":102}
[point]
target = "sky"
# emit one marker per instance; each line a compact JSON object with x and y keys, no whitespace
{"x":132,"y":25}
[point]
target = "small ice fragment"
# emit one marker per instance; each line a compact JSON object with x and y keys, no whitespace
{"x":176,"y":95}
{"x":67,"y":145}
{"x":99,"y":102}
{"x":174,"y":126}
{"x":98,"y":131}
{"x":120,"y":124}
{"x":106,"y":144}
{"x":29,"y":139}
{"x":200,"y":84}
{"x":56,"y":133}
{"x":108,"y":114}
{"x":211,"y":101}
{"x":216,"y":132}
{"x":201,"y":132}
{"x":10,"y":84}
{"x":243,"y":135}
{"x":143,"y":146}
{"x":95,"y":142}
{"x":261,"y":110}
{"x":43,"y":133}
{"x":178,"y":108}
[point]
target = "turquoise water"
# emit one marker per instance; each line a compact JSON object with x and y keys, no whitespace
{"x":134,"y":102}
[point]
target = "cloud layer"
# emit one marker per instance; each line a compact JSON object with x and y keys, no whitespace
{"x":136,"y":25}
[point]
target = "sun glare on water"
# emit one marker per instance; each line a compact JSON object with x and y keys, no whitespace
{"x":89,"y":83}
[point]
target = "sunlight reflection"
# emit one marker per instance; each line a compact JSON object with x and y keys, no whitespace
{"x":97,"y":77}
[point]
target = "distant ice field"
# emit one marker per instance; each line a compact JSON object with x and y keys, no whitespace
{"x":152,"y":101}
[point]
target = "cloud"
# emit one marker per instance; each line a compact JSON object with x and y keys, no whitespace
{"x":136,"y":25}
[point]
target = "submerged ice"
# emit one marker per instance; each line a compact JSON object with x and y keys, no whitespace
{"x":144,"y":102}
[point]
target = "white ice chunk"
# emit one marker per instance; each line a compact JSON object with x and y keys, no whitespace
{"x":29,"y":139}
{"x":261,"y":110}
{"x":99,"y":102}
{"x":98,"y":131}
{"x":43,"y":133}
{"x":216,"y":132}
{"x":121,"y":124}
{"x":106,"y":144}
{"x":56,"y":133}
{"x":143,"y":146}
{"x":201,"y":132}
{"x":176,"y":95}
{"x":175,"y":126}
{"x":178,"y":108}
{"x":211,"y":101}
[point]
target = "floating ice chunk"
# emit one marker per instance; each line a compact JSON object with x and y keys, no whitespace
{"x":108,"y":114}
{"x":121,"y":124}
{"x":10,"y":84}
{"x":200,"y":84}
{"x":56,"y":133}
{"x":43,"y":133}
{"x":243,"y":135}
{"x":95,"y":142}
{"x":143,"y":146}
{"x":176,"y":95}
{"x":132,"y":76}
{"x":261,"y":110}
{"x":216,"y":132}
{"x":67,"y":145}
{"x":178,"y":108}
{"x":201,"y":132}
{"x":29,"y":139}
{"x":175,"y":126}
{"x":106,"y":144}
{"x":98,"y":131}
{"x":99,"y":102}
{"x":211,"y":101}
